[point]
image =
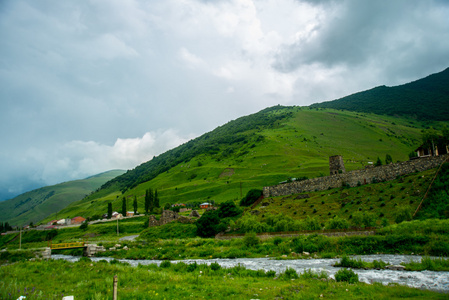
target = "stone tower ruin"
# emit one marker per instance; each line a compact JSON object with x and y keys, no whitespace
{"x":336,"y":165}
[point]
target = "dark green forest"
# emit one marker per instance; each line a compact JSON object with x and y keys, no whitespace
{"x":424,"y":99}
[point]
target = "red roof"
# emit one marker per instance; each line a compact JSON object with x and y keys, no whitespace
{"x":78,"y":220}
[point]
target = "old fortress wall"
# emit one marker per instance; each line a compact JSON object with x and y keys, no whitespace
{"x":369,"y":175}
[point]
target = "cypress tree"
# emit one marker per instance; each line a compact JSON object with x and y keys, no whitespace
{"x":156,"y":199}
{"x":109,"y":210}
{"x":150,"y":199}
{"x":135,"y":205}
{"x":124,"y":206}
{"x":147,"y":201}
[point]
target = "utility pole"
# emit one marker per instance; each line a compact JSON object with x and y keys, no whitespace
{"x":20,"y":240}
{"x":117,"y":226}
{"x":114,"y":288}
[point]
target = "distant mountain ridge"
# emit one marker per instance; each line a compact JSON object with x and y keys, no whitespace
{"x":36,"y":205}
{"x":424,"y":99}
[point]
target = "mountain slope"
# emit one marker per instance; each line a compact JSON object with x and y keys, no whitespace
{"x":36,"y":205}
{"x":280,"y":142}
{"x":425,"y":99}
{"x":297,"y":143}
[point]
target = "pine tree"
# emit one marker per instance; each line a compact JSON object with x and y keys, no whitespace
{"x":124,"y":206}
{"x":135,"y":205}
{"x":109,"y":210}
{"x":147,"y":201}
{"x":150,"y":199}
{"x":156,"y":199}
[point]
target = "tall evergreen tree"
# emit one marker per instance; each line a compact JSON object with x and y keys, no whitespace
{"x":150,"y":199}
{"x":109,"y":210}
{"x":124,"y":206}
{"x":147,"y":202}
{"x":156,"y":199}
{"x":135,"y":205}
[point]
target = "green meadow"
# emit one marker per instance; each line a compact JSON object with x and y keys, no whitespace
{"x":93,"y":280}
{"x":297,"y":145}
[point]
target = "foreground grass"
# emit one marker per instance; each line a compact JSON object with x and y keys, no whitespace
{"x":93,"y":280}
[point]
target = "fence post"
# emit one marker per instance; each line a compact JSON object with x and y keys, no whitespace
{"x":114,"y":296}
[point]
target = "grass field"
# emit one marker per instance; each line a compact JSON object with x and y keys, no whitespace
{"x":93,"y":280}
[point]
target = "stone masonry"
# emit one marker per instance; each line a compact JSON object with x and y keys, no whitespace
{"x":369,"y":175}
{"x":336,"y":165}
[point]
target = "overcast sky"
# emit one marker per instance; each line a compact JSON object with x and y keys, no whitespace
{"x":89,"y":86}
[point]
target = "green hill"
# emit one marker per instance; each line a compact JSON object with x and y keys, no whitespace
{"x":281,"y":142}
{"x":285,"y":142}
{"x":424,"y":99}
{"x":36,"y":205}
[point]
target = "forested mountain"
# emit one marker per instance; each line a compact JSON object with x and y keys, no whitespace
{"x":424,"y":99}
{"x":36,"y":205}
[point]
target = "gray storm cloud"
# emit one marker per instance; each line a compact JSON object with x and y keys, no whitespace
{"x":88,"y":86}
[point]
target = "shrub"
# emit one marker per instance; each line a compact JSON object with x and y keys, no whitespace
{"x":403,"y":213}
{"x":192,"y":267}
{"x":347,"y":275}
{"x":251,"y":239}
{"x":337,"y":223}
{"x":251,"y":197}
{"x":228,"y":209}
{"x":215,"y":266}
{"x":270,"y":273}
{"x":277,"y":241}
{"x":289,"y":273}
{"x":165,"y":264}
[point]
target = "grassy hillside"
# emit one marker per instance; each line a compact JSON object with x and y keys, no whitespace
{"x":36,"y":205}
{"x":297,"y":143}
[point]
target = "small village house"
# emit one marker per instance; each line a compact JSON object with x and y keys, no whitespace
{"x":78,"y":220}
{"x":116,"y":215}
{"x":440,"y":148}
{"x":205,"y":205}
{"x":129,"y":213}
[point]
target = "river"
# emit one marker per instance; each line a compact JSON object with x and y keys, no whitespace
{"x":436,"y":281}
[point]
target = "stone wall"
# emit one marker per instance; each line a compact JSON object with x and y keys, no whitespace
{"x":167,"y":217}
{"x":369,"y":175}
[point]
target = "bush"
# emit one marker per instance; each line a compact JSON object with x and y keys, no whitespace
{"x":84,"y":225}
{"x":289,"y":273}
{"x":215,"y":266}
{"x":277,"y":241}
{"x":206,"y":226}
{"x":165,"y":264}
{"x":251,"y":197}
{"x":192,"y":267}
{"x":337,"y":223}
{"x":251,"y":239}
{"x":228,"y":209}
{"x":347,"y":275}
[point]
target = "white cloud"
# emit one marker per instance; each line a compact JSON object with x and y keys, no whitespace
{"x":98,"y":70}
{"x":79,"y":159}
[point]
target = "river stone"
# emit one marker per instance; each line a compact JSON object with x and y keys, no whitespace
{"x":395,"y":267}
